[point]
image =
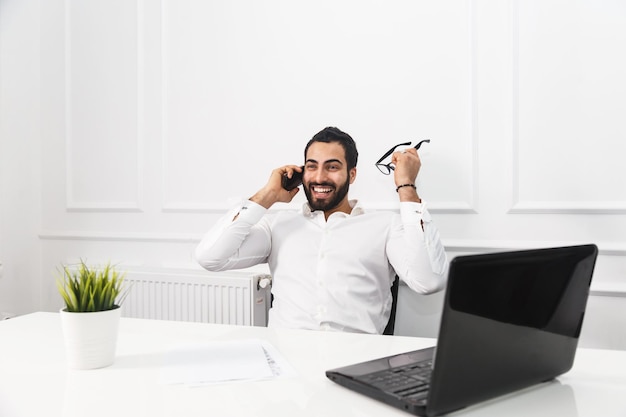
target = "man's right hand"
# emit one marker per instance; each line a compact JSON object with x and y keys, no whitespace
{"x":273,"y":191}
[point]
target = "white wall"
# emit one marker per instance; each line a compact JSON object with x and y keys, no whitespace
{"x":146,"y":119}
{"x":20,"y":157}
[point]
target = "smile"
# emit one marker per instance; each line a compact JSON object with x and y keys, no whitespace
{"x":321,"y":189}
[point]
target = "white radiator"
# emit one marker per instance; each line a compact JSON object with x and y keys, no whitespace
{"x":232,"y":297}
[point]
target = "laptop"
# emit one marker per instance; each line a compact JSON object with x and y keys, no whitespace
{"x":510,"y":320}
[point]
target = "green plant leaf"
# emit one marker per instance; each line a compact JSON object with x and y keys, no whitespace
{"x":85,"y":288}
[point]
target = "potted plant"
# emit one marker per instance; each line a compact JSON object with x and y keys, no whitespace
{"x":90,"y":318}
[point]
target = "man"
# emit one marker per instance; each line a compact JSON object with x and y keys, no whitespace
{"x":332,"y":263}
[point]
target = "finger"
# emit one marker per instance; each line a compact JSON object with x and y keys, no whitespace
{"x":289,"y":169}
{"x":399,"y":155}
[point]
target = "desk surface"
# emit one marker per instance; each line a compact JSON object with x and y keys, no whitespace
{"x":34,"y":380}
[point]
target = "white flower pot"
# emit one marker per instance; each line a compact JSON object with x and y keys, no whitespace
{"x":90,"y":338}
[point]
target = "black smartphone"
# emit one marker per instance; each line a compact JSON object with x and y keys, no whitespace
{"x":295,"y":180}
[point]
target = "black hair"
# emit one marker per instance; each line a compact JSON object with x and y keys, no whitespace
{"x":332,"y":134}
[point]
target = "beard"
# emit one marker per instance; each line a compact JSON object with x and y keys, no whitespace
{"x":328,"y":203}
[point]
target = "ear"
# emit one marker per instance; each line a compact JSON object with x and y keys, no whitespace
{"x":352,"y":174}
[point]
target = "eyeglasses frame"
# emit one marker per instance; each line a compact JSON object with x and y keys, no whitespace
{"x":389,"y":166}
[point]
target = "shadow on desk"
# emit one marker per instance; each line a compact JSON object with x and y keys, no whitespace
{"x":548,"y":399}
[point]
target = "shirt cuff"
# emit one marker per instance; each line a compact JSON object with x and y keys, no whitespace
{"x":414,"y":213}
{"x":251,"y":212}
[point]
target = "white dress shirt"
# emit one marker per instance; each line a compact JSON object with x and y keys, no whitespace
{"x":335,"y":274}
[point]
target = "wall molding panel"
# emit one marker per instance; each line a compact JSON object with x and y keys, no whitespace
{"x":551,"y":144}
{"x":99,"y":236}
{"x":563,"y":207}
{"x":103,"y":173}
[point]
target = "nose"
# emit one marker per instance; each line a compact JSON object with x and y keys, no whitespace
{"x":318,"y":176}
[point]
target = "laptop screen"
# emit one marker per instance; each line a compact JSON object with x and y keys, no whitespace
{"x":535,"y":292}
{"x":510,"y":320}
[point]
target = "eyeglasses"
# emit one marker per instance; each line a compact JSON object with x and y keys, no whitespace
{"x":387,"y":168}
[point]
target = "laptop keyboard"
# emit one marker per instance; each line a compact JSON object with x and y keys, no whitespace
{"x":410,"y":382}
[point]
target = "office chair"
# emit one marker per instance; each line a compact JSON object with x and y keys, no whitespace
{"x":391,"y":324}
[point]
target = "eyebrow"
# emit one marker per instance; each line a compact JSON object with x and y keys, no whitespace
{"x":326,"y":162}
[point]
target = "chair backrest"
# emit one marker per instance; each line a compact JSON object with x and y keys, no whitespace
{"x":391,"y":324}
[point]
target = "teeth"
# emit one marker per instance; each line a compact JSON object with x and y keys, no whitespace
{"x":322,"y":189}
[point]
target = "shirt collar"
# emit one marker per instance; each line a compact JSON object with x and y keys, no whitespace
{"x":357,"y":209}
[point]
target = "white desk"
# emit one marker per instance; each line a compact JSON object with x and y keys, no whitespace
{"x":34,"y":380}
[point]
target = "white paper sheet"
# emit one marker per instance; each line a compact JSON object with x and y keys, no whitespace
{"x":223,"y":361}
